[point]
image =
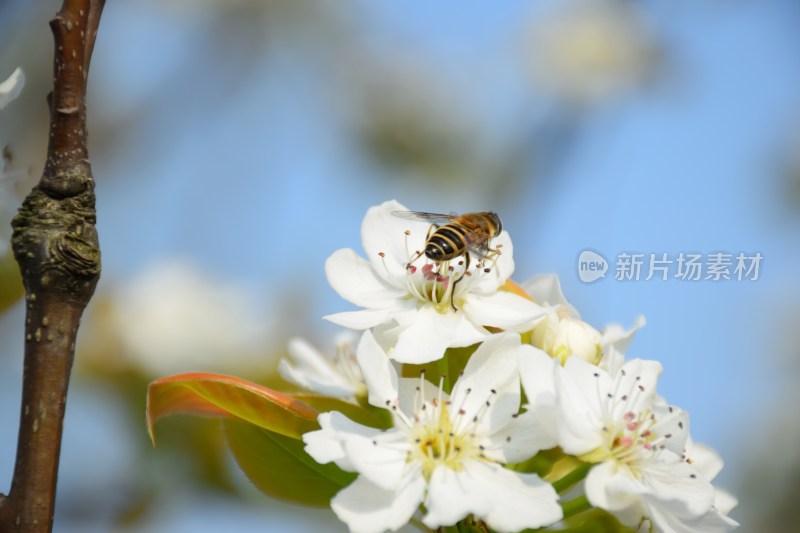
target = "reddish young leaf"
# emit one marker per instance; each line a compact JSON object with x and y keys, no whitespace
{"x":216,"y":395}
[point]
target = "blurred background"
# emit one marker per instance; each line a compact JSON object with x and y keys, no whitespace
{"x":236,"y":144}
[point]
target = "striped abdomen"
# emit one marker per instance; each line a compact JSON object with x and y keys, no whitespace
{"x":447,"y":242}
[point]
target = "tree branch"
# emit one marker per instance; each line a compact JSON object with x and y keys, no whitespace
{"x":55,"y":243}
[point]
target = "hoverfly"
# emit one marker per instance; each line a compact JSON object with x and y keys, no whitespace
{"x":451,"y":236}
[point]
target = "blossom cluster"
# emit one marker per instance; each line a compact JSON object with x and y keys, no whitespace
{"x":548,"y":424}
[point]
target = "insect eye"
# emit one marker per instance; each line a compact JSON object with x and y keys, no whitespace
{"x":497,"y":223}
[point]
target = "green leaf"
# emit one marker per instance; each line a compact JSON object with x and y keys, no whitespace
{"x":280,"y":467}
{"x":216,"y":395}
{"x":541,"y":463}
{"x":450,"y":366}
{"x":363,"y":414}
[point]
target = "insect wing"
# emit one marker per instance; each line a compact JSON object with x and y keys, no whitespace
{"x":431,"y":218}
{"x":479,"y":249}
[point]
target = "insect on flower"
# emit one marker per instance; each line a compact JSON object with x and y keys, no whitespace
{"x":452,"y":236}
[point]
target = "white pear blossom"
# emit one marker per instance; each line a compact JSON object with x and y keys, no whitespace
{"x":637,"y":441}
{"x":173,"y":317}
{"x":708,"y":462}
{"x":338,"y":376}
{"x":562,"y":333}
{"x":431,"y":306}
{"x":587,"y":52}
{"x":446,"y":453}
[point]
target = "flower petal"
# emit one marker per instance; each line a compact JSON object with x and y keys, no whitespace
{"x":546,"y":291}
{"x":619,"y":337}
{"x":380,"y":456}
{"x":412,"y":390}
{"x":383,"y":232}
{"x":704,"y":458}
{"x":452,"y":496}
{"x":367,"y":508}
{"x":363,"y":319}
{"x":673,"y":425}
{"x":426,"y":338}
{"x":313,"y":371}
{"x":676,"y":486}
{"x":503,"y":310}
{"x":379,"y":374}
{"x":711,"y":522}
{"x":537,"y":371}
{"x":355,"y":280}
{"x":520,"y":439}
{"x":327,"y":444}
{"x":505,"y":500}
{"x":502,"y":267}
{"x":490,"y":383}
{"x":10,"y":88}
{"x":580,"y":416}
{"x":602,"y":477}
{"x":724,"y":501}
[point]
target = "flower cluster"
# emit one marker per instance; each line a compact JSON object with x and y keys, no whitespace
{"x":547,"y":425}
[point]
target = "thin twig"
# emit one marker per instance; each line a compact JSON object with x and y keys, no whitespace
{"x":55,"y":243}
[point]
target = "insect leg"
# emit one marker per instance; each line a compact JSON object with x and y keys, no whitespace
{"x":419,"y":254}
{"x":466,"y":269}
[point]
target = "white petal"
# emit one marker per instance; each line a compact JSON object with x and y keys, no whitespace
{"x":383,"y":232}
{"x":724,"y":501}
{"x":379,"y":374}
{"x":328,"y":385}
{"x":678,"y":487}
{"x":672,"y":424}
{"x":612,"y":488}
{"x":612,"y":359}
{"x":501,"y":269}
{"x":377,"y":455}
{"x":411,"y":389}
{"x":546,"y":291}
{"x":580,"y":387}
{"x":381,"y":459}
{"x":519,"y":439}
{"x":503,"y":310}
{"x":327,"y":444}
{"x":364,"y":319}
{"x":634,"y":385}
{"x":507,"y":501}
{"x":466,"y":333}
{"x":366,"y":508}
{"x":313,"y":371}
{"x":491,"y":377}
{"x":617,"y":336}
{"x":355,"y":280}
{"x":426,"y":338}
{"x":10,"y":88}
{"x":704,"y":458}
{"x":537,"y":371}
{"x":711,"y":522}
{"x":452,"y":496}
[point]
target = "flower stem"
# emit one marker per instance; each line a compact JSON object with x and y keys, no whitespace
{"x":422,"y":527}
{"x":572,"y":478}
{"x":576,"y":505}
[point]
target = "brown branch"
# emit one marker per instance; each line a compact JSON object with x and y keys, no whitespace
{"x":55,"y":243}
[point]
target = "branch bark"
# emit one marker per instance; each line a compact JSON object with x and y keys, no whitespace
{"x":55,"y":243}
